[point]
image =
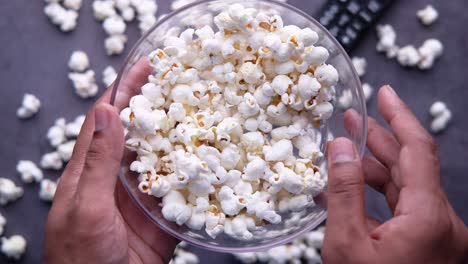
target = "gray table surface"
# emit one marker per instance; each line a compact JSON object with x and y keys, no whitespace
{"x":33,"y":59}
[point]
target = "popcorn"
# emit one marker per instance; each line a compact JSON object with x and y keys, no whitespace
{"x":387,"y":39}
{"x":114,"y":25}
{"x":368,"y":90}
{"x":109,"y":75}
{"x":184,"y":257}
{"x":442,"y":116}
{"x":78,"y":61}
{"x":51,"y":160}
{"x":279,"y":151}
{"x":9,"y":192}
{"x":73,"y":129}
{"x":47,"y":190}
{"x":146,"y":22}
{"x":13,"y":247}
{"x":72,"y":4}
{"x":360,"y":65}
{"x":103,"y":9}
{"x":222,"y":129}
{"x":115,"y":44}
{"x":428,"y":15}
{"x":29,"y":171}
{"x":29,"y":106}
{"x":65,"y":150}
{"x":84,"y":83}
{"x":56,"y":133}
{"x":64,"y":18}
{"x":429,"y":51}
{"x":345,"y":101}
{"x":408,"y":56}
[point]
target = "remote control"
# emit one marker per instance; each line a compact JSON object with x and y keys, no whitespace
{"x":348,"y":19}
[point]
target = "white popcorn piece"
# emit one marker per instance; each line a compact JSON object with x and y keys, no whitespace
{"x":3,"y":222}
{"x":175,"y":208}
{"x":438,"y":108}
{"x":72,"y":4}
{"x":408,"y":56}
{"x":279,"y":151}
{"x":9,"y":192}
{"x":103,"y":9}
{"x":56,"y":133}
{"x":345,"y":101}
{"x":146,"y":22}
{"x":427,"y":15}
{"x":47,"y":190}
{"x":108,"y":76}
{"x":387,"y":39}
{"x":442,"y":116}
{"x":430,"y":51}
{"x":315,"y":56}
{"x":115,"y":44}
{"x":327,"y":75}
{"x":29,"y":106}
{"x":360,"y":64}
{"x":29,"y":171}
{"x":73,"y":129}
{"x":84,"y":83}
{"x":114,"y":25}
{"x":65,"y":150}
{"x":13,"y":247}
{"x":368,"y":91}
{"x":78,"y":61}
{"x":52,"y":161}
{"x":64,"y":18}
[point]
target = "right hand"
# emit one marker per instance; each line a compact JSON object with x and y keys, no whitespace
{"x":405,"y":168}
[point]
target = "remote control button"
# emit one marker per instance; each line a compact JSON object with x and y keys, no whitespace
{"x":344,"y":19}
{"x":344,"y":40}
{"x":351,"y":32}
{"x":353,"y":8}
{"x":358,"y":25}
{"x":366,"y":16}
{"x":374,"y":6}
{"x":335,"y":31}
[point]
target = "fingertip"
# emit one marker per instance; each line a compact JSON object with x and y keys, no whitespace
{"x":341,"y":150}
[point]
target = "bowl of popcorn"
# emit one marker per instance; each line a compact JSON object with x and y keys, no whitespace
{"x":227,"y":108}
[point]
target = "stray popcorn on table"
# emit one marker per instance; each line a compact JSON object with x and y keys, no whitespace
{"x":13,"y":247}
{"x":29,"y":106}
{"x":9,"y":192}
{"x":227,"y":128}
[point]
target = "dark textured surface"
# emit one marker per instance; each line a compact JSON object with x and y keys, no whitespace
{"x":33,"y":59}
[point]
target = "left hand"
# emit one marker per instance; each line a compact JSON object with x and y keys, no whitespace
{"x":92,"y":219}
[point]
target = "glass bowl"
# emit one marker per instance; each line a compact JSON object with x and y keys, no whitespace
{"x":132,"y":76}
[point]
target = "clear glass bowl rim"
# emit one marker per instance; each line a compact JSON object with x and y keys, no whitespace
{"x":306,"y":228}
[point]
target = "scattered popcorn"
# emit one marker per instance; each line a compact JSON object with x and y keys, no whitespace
{"x":302,"y":250}
{"x":428,"y":15}
{"x":387,"y":40}
{"x":51,"y":160}
{"x":103,"y":9}
{"x":226,"y":130}
{"x":114,"y":25}
{"x":79,"y":61}
{"x":29,"y":171}
{"x":56,"y":133}
{"x":66,"y":19}
{"x":360,"y":65}
{"x":9,"y":192}
{"x":65,"y":150}
{"x":47,"y":190}
{"x":115,"y":44}
{"x":429,"y":52}
{"x":109,"y":75}
{"x":72,"y":129}
{"x":408,"y":56}
{"x":368,"y":91}
{"x":84,"y":83}
{"x":29,"y":106}
{"x":182,"y":256}
{"x":442,"y":116}
{"x":72,"y":4}
{"x":13,"y":247}
{"x":3,"y":222}
{"x":345,"y":101}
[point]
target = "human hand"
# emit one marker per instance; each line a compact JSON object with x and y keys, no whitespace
{"x":92,"y":219}
{"x":405,"y":168}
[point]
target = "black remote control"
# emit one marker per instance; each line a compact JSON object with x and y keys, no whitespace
{"x":348,"y":19}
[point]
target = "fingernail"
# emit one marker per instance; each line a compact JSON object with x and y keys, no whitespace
{"x":390,"y":89}
{"x":101,"y":120}
{"x":342,"y":150}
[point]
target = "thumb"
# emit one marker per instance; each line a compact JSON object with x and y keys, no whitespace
{"x":104,"y":155}
{"x":346,"y":211}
